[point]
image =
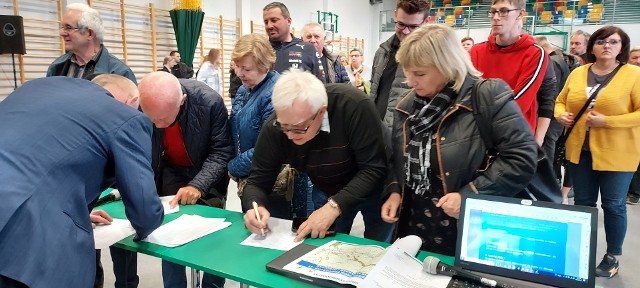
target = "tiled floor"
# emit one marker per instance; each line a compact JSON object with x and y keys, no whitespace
{"x":150,"y":276}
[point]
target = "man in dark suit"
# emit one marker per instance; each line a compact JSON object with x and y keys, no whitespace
{"x":62,"y":138}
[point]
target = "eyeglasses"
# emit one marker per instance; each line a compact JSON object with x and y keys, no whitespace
{"x":611,"y":42}
{"x":296,"y":130}
{"x":354,"y":55}
{"x":67,"y":28}
{"x":401,"y":26}
{"x":501,"y":12}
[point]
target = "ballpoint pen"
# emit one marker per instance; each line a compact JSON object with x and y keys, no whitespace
{"x":255,"y":207}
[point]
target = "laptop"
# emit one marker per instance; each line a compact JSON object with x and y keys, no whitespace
{"x":524,"y":243}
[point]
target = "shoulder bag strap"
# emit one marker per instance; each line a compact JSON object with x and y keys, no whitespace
{"x":594,"y":95}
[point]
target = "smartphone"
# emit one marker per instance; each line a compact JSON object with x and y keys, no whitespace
{"x":297,"y":221}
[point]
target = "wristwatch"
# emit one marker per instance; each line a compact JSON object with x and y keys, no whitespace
{"x":333,"y":204}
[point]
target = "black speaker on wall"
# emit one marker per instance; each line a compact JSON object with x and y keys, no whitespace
{"x":12,"y":35}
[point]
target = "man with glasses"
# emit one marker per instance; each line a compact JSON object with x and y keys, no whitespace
{"x":387,"y":81}
{"x":514,"y":57}
{"x":82,"y":31}
{"x":331,"y":132}
{"x":359,"y":74}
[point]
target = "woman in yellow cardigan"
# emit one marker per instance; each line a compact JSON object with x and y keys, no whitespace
{"x":604,"y":147}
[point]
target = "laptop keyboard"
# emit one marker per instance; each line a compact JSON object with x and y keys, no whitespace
{"x":460,"y":283}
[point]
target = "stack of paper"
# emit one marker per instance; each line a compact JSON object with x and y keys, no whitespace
{"x":107,"y":235}
{"x":401,"y":270}
{"x":278,"y":236}
{"x":165,"y":204}
{"x":185,"y":229}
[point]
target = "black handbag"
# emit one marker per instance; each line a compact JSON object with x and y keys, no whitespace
{"x":560,"y":156}
{"x":543,"y":185}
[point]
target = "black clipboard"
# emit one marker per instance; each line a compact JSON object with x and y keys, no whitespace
{"x":277,"y":266}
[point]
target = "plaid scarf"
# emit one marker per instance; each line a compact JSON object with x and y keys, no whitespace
{"x":421,"y":123}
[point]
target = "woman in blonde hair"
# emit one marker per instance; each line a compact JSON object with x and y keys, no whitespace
{"x":210,"y":72}
{"x":251,"y":107}
{"x":434,"y":125}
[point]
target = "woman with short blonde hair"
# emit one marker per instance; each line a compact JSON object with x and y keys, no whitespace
{"x":434,"y":126}
{"x":258,"y":48}
{"x":251,"y":107}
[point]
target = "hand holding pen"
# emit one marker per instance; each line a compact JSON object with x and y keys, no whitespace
{"x":256,"y":219}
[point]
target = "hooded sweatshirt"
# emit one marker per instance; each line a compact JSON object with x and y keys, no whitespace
{"x":522,"y":65}
{"x":299,"y":55}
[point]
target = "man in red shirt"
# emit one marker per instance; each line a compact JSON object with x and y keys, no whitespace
{"x":191,"y":146}
{"x":513,"y":57}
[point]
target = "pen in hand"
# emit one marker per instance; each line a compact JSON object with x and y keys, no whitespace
{"x":255,"y":208}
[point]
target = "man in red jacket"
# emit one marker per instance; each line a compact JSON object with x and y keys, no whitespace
{"x":513,"y":57}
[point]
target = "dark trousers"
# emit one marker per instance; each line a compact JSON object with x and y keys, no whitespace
{"x":6,"y":282}
{"x":125,"y":268}
{"x":174,"y":178}
{"x":612,"y":187}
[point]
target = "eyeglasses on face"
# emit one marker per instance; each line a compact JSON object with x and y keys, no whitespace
{"x":502,"y":12}
{"x":401,"y":26}
{"x":67,"y":28}
{"x":354,"y":55}
{"x":611,"y":42}
{"x":296,"y":130}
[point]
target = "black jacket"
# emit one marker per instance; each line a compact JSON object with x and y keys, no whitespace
{"x":461,"y":150}
{"x":182,"y":71}
{"x":547,"y":93}
{"x":203,"y":120}
{"x":297,"y":54}
{"x":348,"y":163}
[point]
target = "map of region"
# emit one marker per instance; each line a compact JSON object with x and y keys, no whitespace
{"x":338,"y":261}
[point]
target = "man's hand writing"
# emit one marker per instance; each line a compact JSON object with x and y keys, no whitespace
{"x":251,"y":221}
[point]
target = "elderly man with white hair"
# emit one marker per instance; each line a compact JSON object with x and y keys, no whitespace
{"x":331,"y":132}
{"x":82,"y":31}
{"x":332,"y":69}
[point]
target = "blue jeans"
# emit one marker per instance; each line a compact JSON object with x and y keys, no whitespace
{"x":613,"y":188}
{"x":174,"y":276}
{"x":374,"y":227}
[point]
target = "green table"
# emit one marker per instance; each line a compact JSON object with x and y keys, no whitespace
{"x":220,"y":253}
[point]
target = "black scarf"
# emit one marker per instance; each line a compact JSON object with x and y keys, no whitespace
{"x":427,"y":115}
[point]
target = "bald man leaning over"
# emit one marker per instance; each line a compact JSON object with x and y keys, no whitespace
{"x":191,"y":149}
{"x":62,"y":138}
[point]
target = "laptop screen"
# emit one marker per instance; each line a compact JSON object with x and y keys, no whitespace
{"x":540,"y":242}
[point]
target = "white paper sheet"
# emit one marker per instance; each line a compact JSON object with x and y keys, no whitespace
{"x":399,"y":269}
{"x":279,"y":236}
{"x":185,"y":229}
{"x":165,"y":204}
{"x":107,"y":235}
